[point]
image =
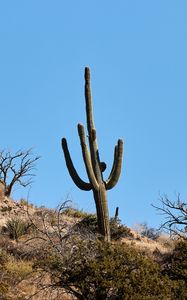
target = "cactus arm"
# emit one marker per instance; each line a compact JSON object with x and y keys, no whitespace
{"x":113,"y":166}
{"x":72,"y":171}
{"x":117,"y":164}
{"x":86,"y":157}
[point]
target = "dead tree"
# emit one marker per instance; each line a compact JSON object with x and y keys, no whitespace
{"x":16,"y":169}
{"x":175,"y":213}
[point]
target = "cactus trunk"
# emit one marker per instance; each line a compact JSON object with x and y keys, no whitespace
{"x":94,"y":167}
{"x":100,"y":198}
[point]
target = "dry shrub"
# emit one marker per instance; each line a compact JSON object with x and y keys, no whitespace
{"x":16,"y":228}
{"x":18,"y":268}
{"x":75,"y":213}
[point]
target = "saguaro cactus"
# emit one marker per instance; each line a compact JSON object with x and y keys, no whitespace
{"x":94,"y":167}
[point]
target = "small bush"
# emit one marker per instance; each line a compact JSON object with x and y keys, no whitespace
{"x":149,"y":232}
{"x":12,"y":271}
{"x":16,"y":228}
{"x":118,"y":230}
{"x":89,"y":223}
{"x":18,"y":268}
{"x":25,"y":202}
{"x":6,"y":209}
{"x":3,"y":257}
{"x":75,"y":213}
{"x":176,"y":263}
{"x":175,"y":267}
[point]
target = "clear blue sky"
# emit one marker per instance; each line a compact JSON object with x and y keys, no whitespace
{"x":137,"y":52}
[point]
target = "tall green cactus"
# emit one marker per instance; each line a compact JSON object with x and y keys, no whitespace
{"x":94,"y":167}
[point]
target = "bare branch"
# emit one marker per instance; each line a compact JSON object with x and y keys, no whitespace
{"x":16,"y":169}
{"x":175,"y":213}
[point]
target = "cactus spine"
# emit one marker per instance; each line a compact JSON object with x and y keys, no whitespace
{"x":94,"y":167}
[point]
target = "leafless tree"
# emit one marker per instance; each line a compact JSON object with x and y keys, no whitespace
{"x":16,"y":169}
{"x":175,"y":213}
{"x":56,"y":237}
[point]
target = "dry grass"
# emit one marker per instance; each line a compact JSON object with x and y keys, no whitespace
{"x":162,"y":245}
{"x":19,"y":268}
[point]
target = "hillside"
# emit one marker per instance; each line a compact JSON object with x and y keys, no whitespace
{"x":57,"y":254}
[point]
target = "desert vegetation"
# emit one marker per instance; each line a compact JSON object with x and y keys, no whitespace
{"x":70,"y":254}
{"x":60,"y":254}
